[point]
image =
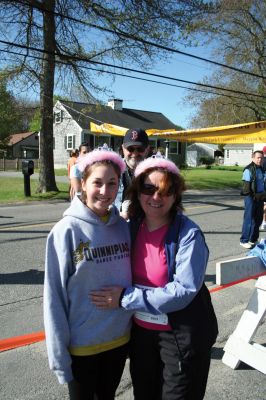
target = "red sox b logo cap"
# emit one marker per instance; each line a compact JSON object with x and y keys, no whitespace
{"x":136,"y":137}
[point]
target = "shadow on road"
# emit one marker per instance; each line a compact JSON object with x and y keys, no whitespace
{"x":30,"y":277}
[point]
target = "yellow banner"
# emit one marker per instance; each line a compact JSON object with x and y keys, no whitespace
{"x":253,"y":132}
{"x":120,"y":131}
{"x":108,"y":128}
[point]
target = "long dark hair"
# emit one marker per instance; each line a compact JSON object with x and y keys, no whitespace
{"x":168,"y":181}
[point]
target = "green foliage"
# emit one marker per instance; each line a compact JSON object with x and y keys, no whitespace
{"x":235,"y":31}
{"x":35,"y":123}
{"x":227,"y":168}
{"x":8,"y":112}
{"x":183,"y":166}
{"x":35,"y":24}
{"x":206,"y":160}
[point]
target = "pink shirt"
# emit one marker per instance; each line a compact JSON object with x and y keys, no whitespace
{"x":149,"y":264}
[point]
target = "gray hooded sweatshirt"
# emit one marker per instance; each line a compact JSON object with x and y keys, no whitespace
{"x":83,"y":254}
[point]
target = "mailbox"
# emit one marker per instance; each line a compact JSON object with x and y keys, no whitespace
{"x":27,"y":167}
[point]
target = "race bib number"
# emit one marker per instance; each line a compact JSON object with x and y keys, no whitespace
{"x":161,"y":319}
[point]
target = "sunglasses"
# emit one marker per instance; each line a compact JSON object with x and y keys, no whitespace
{"x":149,"y":190}
{"x":139,"y":149}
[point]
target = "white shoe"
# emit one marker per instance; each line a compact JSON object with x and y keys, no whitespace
{"x":247,"y":245}
{"x":263,"y":227}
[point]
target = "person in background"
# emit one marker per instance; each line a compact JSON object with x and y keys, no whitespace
{"x":174,"y":324}
{"x":135,"y":148}
{"x":89,"y":248}
{"x":72,"y":160}
{"x":254,"y":186}
{"x":263,"y":225}
{"x":75,"y":174}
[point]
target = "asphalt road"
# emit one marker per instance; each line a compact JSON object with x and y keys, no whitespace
{"x":24,"y":372}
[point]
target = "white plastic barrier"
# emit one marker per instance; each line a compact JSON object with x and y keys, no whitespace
{"x":237,"y":269}
{"x":239,"y":346}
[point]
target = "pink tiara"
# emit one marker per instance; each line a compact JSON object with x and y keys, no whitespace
{"x":156,"y":161}
{"x":103,"y":153}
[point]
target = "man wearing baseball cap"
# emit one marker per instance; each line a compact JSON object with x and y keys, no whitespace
{"x":263,"y":225}
{"x":135,"y":148}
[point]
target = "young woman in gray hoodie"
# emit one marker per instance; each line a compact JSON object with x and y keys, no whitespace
{"x":87,"y":249}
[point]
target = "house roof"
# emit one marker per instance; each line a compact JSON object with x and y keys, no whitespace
{"x":204,"y":145}
{"x":18,"y":137}
{"x":239,"y":146}
{"x":84,"y":113}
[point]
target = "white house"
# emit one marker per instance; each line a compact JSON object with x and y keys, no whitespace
{"x":72,"y":127}
{"x":240,"y":154}
{"x":197,"y":150}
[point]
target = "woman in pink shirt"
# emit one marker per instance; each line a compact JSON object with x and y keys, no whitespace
{"x":174,"y":325}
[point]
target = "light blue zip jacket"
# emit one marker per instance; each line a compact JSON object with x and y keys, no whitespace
{"x":187,"y":257}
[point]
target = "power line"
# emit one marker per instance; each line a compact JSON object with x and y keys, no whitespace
{"x":83,"y":59}
{"x":139,"y":78}
{"x":133,"y":37}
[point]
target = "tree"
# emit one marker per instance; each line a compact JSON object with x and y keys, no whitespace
{"x":61,"y":40}
{"x":11,"y":120}
{"x":236,"y":30}
{"x":35,"y":123}
{"x":216,"y":110}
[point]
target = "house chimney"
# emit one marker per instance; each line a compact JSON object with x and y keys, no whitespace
{"x":115,"y":104}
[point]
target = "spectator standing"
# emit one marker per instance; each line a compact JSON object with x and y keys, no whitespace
{"x":263,"y":225}
{"x":75,"y":174}
{"x":89,"y":248}
{"x":135,"y":148}
{"x":174,"y":325}
{"x":254,"y":186}
{"x":72,"y":160}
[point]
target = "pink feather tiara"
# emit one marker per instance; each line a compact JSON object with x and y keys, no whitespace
{"x":156,"y":161}
{"x":103,"y":153}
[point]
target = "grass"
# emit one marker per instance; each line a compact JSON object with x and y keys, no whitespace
{"x":12,"y":189}
{"x":202,"y":178}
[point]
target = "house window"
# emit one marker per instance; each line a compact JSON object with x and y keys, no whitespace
{"x":100,"y":140}
{"x":58,"y":116}
{"x":173,"y":147}
{"x":153,"y":146}
{"x":70,"y":142}
{"x":227,"y":153}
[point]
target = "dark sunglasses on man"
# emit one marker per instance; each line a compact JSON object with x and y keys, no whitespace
{"x":139,"y":149}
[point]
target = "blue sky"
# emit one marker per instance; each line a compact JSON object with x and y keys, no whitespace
{"x":150,"y":96}
{"x":169,"y":100}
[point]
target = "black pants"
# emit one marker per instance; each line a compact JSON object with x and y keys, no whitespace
{"x":97,"y":377}
{"x":159,"y":373}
